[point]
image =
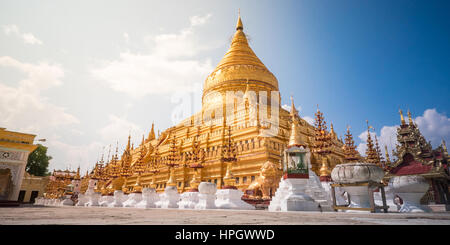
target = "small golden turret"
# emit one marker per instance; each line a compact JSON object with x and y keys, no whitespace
{"x":151,"y":135}
{"x":77,"y":176}
{"x":371,"y":153}
{"x":293,"y":111}
{"x":295,"y":138}
{"x":410,"y":118}
{"x":325,"y":171}
{"x":351,"y":155}
{"x":332,"y":133}
{"x":402,"y":119}
{"x":388,"y":160}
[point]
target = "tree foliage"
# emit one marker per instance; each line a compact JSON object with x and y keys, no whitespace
{"x":38,"y":161}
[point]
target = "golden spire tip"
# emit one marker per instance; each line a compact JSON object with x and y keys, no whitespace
{"x":239,"y":25}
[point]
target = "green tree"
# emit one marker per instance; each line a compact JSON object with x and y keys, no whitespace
{"x":38,"y":161}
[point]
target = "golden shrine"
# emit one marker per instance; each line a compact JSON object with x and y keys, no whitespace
{"x":194,"y":150}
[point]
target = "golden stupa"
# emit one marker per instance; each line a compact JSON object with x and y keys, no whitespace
{"x":239,"y":70}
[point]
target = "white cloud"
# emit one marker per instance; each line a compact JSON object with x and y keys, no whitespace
{"x":309,"y":119}
{"x":169,"y":67}
{"x":433,"y":126}
{"x":138,"y":75}
{"x":199,"y":20}
{"x":23,"y":107}
{"x":71,"y":156}
{"x":28,"y":38}
{"x":118,"y":129}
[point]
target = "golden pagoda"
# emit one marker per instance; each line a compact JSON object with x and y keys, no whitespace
{"x":191,"y":151}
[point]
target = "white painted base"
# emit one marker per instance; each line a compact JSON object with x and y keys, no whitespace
{"x":411,"y":203}
{"x":133,"y":200}
{"x":291,"y":196}
{"x":67,"y":201}
{"x":149,"y":198}
{"x":320,"y":192}
{"x":93,"y":200}
{"x":359,"y":198}
{"x":82,"y":200}
{"x":410,"y":188}
{"x":106,"y":201}
{"x":168,"y":199}
{"x":206,"y":196}
{"x":117,"y":203}
{"x":188,"y":200}
{"x":231,"y":199}
{"x":389,"y":199}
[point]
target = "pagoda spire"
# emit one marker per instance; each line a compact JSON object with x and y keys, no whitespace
{"x":332,"y":133}
{"x":151,"y":135}
{"x":128,"y":145}
{"x":410,"y":118}
{"x":294,"y":111}
{"x":351,"y":155}
{"x":371,"y":152}
{"x":388,"y":160}
{"x":402,"y":119}
{"x":239,"y":25}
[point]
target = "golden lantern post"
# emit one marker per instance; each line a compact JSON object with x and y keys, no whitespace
{"x":153,"y":168}
{"x":322,"y":144}
{"x":228,"y":156}
{"x":172,"y":163}
{"x":139,"y":168}
{"x":125,"y":173}
{"x":197,"y":160}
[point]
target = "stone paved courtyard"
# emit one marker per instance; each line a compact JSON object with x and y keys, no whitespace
{"x":34,"y":215}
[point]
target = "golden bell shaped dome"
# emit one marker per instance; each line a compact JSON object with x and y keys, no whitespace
{"x":239,"y":65}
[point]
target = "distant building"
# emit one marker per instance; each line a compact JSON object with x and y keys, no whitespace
{"x":32,"y":187}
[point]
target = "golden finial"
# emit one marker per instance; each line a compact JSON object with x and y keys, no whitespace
{"x":402,"y":119}
{"x":388,"y":160}
{"x":410,"y":118}
{"x":128,"y":145}
{"x":151,"y":134}
{"x":293,"y":109}
{"x":239,"y":25}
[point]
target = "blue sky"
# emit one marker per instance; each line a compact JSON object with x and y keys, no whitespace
{"x":84,"y":74}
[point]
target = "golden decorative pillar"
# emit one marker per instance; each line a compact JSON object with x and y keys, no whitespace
{"x":228,"y":156}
